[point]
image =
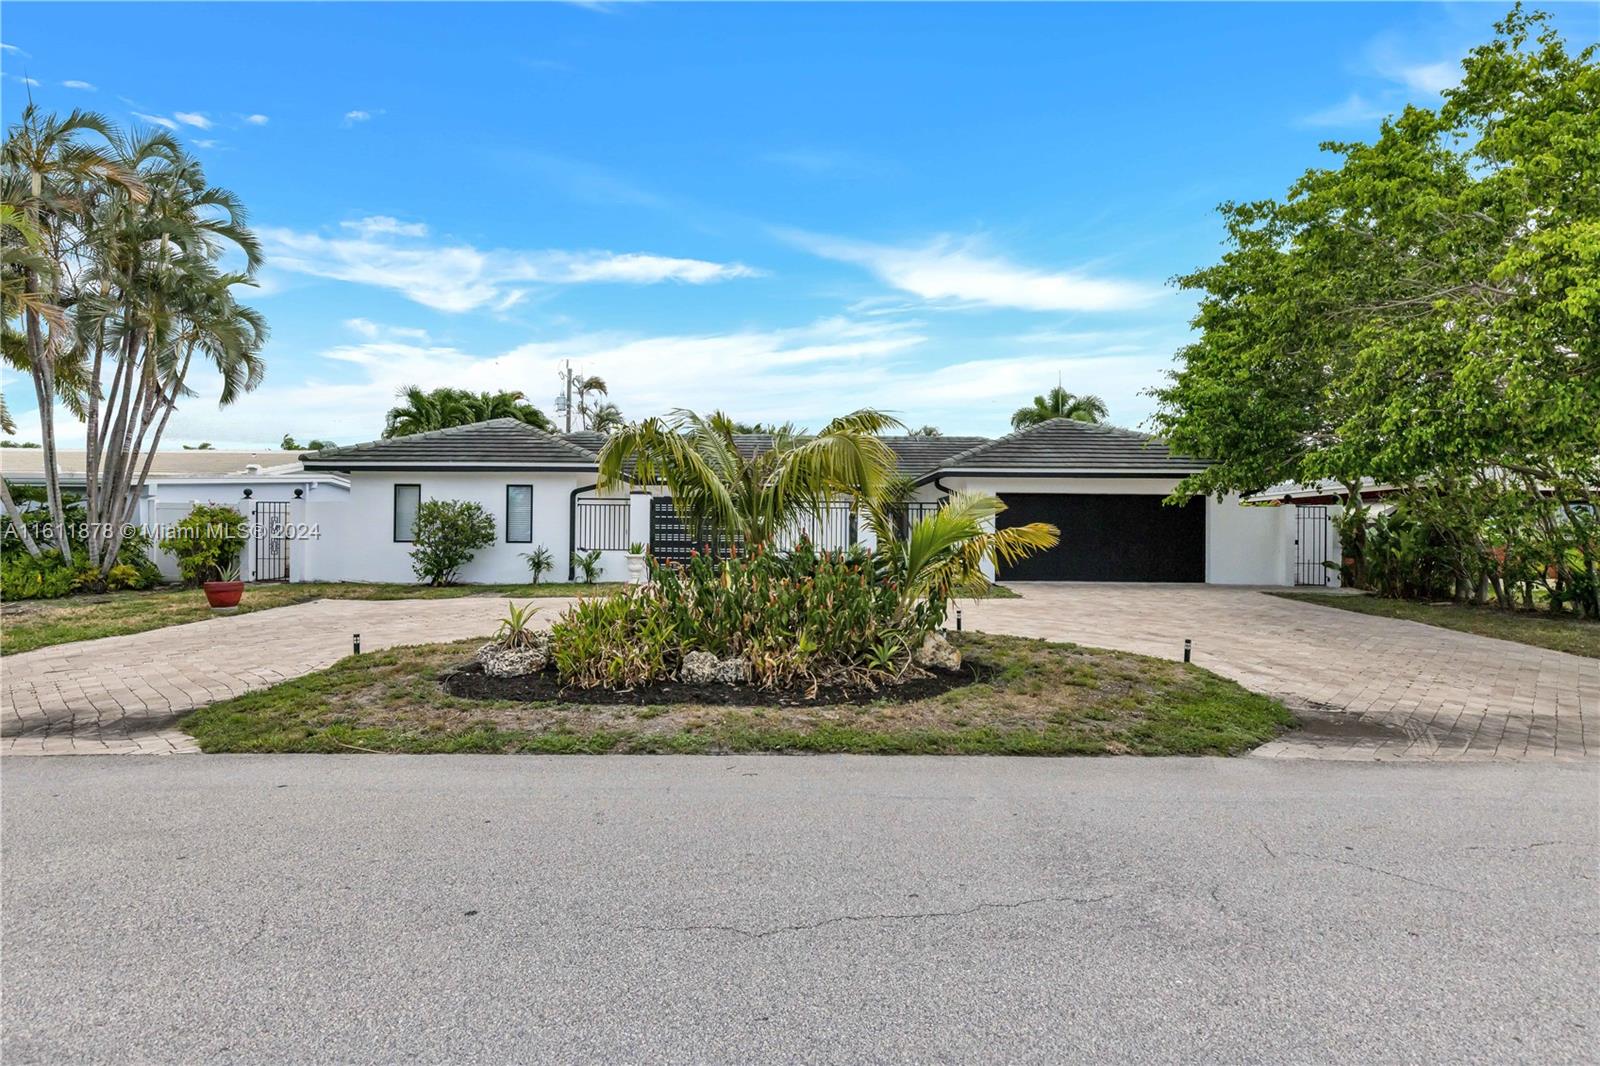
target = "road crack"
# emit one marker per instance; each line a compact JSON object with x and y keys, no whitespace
{"x":806,"y":927}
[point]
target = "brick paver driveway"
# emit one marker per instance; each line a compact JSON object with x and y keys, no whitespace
{"x":1366,"y":687}
{"x":121,"y":695}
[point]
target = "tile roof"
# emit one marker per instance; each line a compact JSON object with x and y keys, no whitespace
{"x":500,"y":443}
{"x":1060,"y":446}
{"x":27,"y":464}
{"x":1064,"y":446}
{"x":922,"y":455}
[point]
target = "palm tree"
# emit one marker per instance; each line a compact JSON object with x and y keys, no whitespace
{"x":1059,"y":403}
{"x":426,"y":410}
{"x":604,"y":418}
{"x":753,"y":497}
{"x":925,"y":431}
{"x":48,"y":175}
{"x":944,"y":552}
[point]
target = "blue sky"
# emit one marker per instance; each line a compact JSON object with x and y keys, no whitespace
{"x":786,"y":211}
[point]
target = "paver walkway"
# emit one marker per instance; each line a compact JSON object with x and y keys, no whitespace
{"x":1365,"y":687}
{"x":121,"y":695}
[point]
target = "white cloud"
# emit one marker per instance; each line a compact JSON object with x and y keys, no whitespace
{"x":203,"y":142}
{"x":27,"y":80}
{"x":156,"y":120}
{"x":460,"y":277}
{"x":378,"y":225}
{"x":257,"y":120}
{"x":13,"y":49}
{"x":352,"y":117}
{"x":193,"y":118}
{"x":808,"y":374}
{"x":962,"y":272}
{"x":1429,"y":77}
{"x":75,"y":84}
{"x":1354,"y":110}
{"x":373,"y":330}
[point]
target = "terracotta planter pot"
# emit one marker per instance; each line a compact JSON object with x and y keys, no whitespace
{"x":221,"y":594}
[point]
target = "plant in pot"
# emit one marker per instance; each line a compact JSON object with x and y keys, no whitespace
{"x":224,"y":593}
{"x":636,"y":564}
{"x":206,"y":543}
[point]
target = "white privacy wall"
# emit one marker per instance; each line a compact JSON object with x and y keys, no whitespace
{"x":355,"y":542}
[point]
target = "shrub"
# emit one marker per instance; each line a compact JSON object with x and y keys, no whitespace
{"x":588,"y":564}
{"x":22,"y":577}
{"x":448,"y":533}
{"x":801,"y":618}
{"x":206,"y":541}
{"x":540,"y":562}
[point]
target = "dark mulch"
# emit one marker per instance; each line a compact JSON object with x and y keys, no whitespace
{"x":470,"y":681}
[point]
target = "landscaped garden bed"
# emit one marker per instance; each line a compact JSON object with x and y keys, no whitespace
{"x":470,"y":680}
{"x":1028,"y":697}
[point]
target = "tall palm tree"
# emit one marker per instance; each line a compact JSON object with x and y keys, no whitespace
{"x":1059,"y":403}
{"x":604,"y":418}
{"x":47,"y":176}
{"x":155,"y":299}
{"x":753,"y":497}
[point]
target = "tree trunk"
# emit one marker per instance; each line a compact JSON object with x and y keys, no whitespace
{"x":17,"y":523}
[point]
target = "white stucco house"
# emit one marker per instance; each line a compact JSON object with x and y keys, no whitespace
{"x":1102,"y":486}
{"x":261,"y":485}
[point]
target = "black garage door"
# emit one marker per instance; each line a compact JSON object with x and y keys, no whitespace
{"x":1110,"y":538}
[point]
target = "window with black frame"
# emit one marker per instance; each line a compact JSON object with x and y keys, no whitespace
{"x":407,"y":500}
{"x":519,"y":514}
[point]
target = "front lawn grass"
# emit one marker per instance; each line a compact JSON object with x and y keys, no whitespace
{"x":1037,"y":698}
{"x":31,"y":624}
{"x":1542,"y":629}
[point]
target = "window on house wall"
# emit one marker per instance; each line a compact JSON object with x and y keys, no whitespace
{"x":519,"y":514}
{"x":407,"y":498}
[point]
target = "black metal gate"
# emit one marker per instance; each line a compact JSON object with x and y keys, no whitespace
{"x":270,"y":530}
{"x":1310,"y":545}
{"x":672,"y":537}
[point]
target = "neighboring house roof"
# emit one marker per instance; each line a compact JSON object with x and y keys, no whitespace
{"x":1063,"y":446}
{"x":1059,"y":447}
{"x":914,"y":456}
{"x":25,"y":466}
{"x":921,"y":455}
{"x":498,"y":444}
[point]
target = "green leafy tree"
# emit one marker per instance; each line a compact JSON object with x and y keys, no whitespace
{"x":447,"y":534}
{"x":289,"y":444}
{"x":717,"y":488}
{"x":1059,"y":403}
{"x":423,"y":410}
{"x":1425,"y":310}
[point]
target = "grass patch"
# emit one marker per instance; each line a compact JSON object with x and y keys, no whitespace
{"x":1542,"y":629}
{"x":31,"y":624}
{"x":1038,"y":698}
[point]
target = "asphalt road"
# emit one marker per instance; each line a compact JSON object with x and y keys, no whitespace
{"x":474,"y":909}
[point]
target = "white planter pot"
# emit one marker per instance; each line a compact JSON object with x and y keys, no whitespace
{"x":636,"y":569}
